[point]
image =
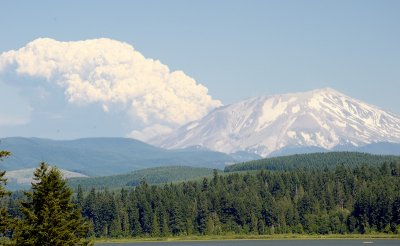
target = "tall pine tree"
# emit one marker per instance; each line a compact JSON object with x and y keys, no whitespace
{"x":50,"y":218}
{"x":4,"y":218}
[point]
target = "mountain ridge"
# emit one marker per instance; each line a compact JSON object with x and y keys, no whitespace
{"x":104,"y":156}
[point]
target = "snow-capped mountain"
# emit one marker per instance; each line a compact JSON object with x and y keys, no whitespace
{"x":320,"y":118}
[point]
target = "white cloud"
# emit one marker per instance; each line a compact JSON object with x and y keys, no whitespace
{"x":114,"y":75}
{"x":150,"y":132}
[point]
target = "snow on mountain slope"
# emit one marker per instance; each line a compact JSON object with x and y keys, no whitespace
{"x":321,"y":118}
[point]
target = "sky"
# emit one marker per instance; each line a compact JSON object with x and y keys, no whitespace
{"x":71,"y":69}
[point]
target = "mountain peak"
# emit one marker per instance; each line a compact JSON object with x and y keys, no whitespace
{"x":323,"y":118}
{"x":328,"y":91}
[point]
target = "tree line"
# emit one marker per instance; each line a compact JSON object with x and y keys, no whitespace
{"x":343,"y":200}
{"x":313,"y":161}
{"x":361,"y":199}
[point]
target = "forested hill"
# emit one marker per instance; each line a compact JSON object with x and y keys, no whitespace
{"x":162,"y":175}
{"x":342,"y":200}
{"x":314,"y":161}
{"x":157,"y":175}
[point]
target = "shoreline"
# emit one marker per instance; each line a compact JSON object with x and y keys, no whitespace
{"x":249,"y":237}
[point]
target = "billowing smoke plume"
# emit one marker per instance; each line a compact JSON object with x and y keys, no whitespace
{"x":113,"y":74}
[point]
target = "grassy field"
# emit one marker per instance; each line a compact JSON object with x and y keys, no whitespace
{"x":250,"y":237}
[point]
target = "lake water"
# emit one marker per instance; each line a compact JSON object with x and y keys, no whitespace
{"x":365,"y":242}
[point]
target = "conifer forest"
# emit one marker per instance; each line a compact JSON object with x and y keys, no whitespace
{"x":359,"y":199}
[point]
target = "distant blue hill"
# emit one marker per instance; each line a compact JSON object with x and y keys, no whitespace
{"x":380,"y":148}
{"x":106,"y":156}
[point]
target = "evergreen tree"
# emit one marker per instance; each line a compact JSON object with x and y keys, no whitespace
{"x":50,"y":218}
{"x":155,"y":226}
{"x":3,"y":181}
{"x":4,"y":218}
{"x":79,"y":197}
{"x":201,"y":217}
{"x":89,"y":208}
{"x":176,"y":219}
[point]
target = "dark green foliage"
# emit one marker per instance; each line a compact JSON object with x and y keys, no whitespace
{"x":2,"y":173}
{"x":4,"y":217}
{"x":49,"y":216}
{"x":341,"y":200}
{"x":313,"y":161}
{"x":157,"y":175}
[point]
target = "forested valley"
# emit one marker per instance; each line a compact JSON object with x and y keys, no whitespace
{"x":343,"y":200}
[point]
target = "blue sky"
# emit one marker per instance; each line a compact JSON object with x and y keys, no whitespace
{"x":236,"y":49}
